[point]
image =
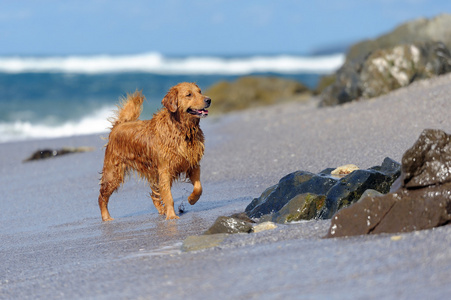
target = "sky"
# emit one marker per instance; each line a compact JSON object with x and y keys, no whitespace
{"x":199,"y":27}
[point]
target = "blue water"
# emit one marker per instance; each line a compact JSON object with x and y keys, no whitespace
{"x":41,"y":98}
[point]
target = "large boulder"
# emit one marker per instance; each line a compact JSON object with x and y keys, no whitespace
{"x":385,"y":70}
{"x":422,"y":201}
{"x":251,"y":91}
{"x":389,"y":69}
{"x":303,"y":195}
{"x":419,"y":30}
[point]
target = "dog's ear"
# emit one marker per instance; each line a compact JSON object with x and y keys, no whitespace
{"x":170,"y":100}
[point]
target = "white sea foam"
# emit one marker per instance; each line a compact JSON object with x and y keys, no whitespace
{"x":159,"y":64}
{"x":19,"y":130}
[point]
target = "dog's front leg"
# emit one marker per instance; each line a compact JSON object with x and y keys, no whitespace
{"x":194,"y":176}
{"x":165,"y":184}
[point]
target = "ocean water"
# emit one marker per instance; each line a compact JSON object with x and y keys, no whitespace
{"x":48,"y":97}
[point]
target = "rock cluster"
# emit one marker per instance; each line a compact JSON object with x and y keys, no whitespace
{"x":358,"y":201}
{"x":303,"y":195}
{"x":421,"y":197}
{"x":386,"y":69}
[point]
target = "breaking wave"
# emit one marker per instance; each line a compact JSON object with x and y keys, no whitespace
{"x":24,"y":130}
{"x":159,"y":64}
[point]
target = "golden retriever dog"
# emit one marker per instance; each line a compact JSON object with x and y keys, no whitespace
{"x":160,"y":150}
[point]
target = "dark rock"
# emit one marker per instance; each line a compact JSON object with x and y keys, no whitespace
{"x":347,"y":85}
{"x":299,"y":182}
{"x":252,"y":91}
{"x":424,"y":209}
{"x":304,"y":195}
{"x":385,"y":70}
{"x":300,"y":207}
{"x":403,"y":211}
{"x":350,"y":189}
{"x":423,"y":200}
{"x":428,"y":161}
{"x":229,"y":225}
{"x":48,"y":153}
{"x":257,"y":201}
{"x":389,"y":167}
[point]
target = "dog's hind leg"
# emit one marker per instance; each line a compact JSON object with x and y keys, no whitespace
{"x":156,"y":198}
{"x":112,"y":177}
{"x":194,"y":176}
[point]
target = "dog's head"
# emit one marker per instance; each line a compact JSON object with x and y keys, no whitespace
{"x":187,"y":98}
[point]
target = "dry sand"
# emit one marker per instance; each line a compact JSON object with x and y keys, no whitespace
{"x":54,"y":245}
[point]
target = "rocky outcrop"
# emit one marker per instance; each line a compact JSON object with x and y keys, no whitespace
{"x":303,"y":195}
{"x":385,"y":70}
{"x":422,"y":201}
{"x":415,"y":50}
{"x":251,"y":91}
{"x":437,"y":29}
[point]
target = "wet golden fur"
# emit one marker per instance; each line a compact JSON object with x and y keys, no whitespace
{"x":160,"y":149}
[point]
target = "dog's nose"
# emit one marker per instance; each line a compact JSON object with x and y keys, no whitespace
{"x":207,"y":101}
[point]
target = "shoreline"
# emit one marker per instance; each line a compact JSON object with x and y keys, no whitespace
{"x":56,"y":246}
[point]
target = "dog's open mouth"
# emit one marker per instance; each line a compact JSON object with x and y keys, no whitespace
{"x":201,"y":113}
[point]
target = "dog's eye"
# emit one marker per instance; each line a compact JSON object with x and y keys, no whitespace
{"x":188,"y":95}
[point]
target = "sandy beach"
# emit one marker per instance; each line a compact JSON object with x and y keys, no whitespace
{"x":55,"y":246}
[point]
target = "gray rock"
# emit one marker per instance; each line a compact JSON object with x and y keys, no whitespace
{"x":389,"y":69}
{"x":385,"y":70}
{"x":229,"y":225}
{"x":437,"y":29}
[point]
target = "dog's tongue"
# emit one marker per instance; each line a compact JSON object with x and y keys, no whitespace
{"x":203,"y":112}
{"x":199,"y":112}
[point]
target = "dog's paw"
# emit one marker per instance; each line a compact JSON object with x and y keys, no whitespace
{"x":172,"y":217}
{"x":192,"y":199}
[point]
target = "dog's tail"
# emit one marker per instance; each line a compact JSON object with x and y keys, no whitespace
{"x":129,"y":108}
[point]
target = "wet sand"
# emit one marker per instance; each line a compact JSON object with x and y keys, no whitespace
{"x":54,"y":245}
